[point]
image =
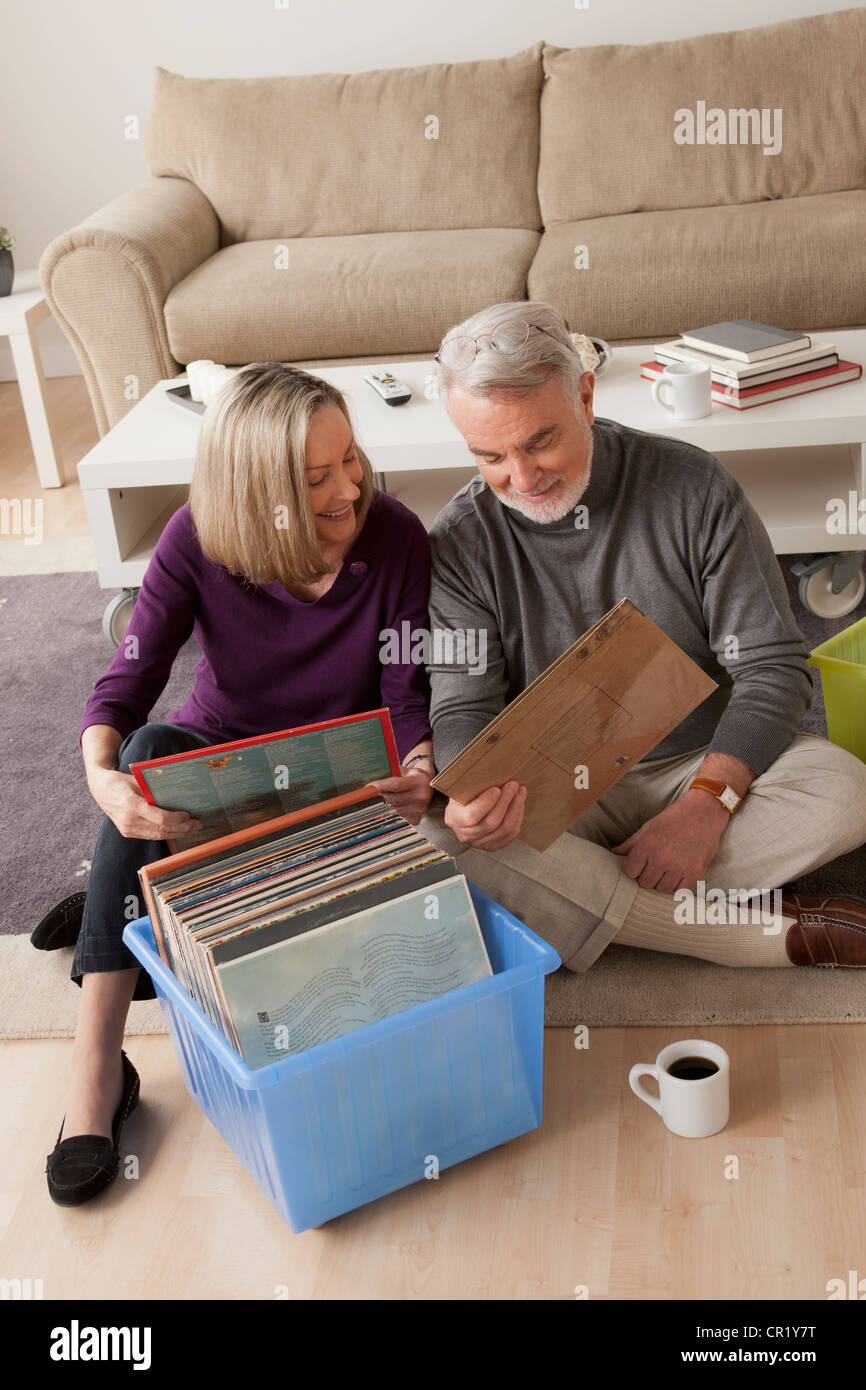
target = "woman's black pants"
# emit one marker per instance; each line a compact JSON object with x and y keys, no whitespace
{"x":114,"y":894}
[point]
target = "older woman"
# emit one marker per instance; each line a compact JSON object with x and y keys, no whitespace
{"x":286,"y":564}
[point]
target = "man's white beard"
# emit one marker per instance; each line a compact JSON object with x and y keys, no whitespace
{"x":558,"y":507}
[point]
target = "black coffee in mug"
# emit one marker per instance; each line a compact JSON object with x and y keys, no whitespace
{"x":692,"y":1068}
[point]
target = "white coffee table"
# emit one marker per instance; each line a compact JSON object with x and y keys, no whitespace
{"x":790,"y":457}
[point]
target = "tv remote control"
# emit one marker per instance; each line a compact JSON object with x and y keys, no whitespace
{"x":392,"y":390}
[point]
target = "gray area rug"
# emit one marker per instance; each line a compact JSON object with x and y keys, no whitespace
{"x":51,"y":652}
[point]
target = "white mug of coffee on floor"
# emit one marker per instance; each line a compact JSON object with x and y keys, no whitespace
{"x":692,"y":1076}
{"x":688,"y":385}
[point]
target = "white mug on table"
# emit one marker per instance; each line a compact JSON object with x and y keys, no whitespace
{"x":694,"y":1103}
{"x":689,"y":385}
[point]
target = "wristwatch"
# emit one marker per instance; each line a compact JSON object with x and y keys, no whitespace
{"x":728,"y":797}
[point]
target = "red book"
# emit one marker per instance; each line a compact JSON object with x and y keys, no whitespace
{"x":798,"y":384}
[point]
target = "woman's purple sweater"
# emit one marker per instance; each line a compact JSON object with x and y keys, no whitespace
{"x":270,"y":661}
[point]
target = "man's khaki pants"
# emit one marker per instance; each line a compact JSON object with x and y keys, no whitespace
{"x":807,"y":808}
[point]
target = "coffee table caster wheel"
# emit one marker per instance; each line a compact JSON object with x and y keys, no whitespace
{"x":816,"y":593}
{"x":118,"y":611}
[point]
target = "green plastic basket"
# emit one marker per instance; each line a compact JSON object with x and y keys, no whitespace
{"x":842,"y":663}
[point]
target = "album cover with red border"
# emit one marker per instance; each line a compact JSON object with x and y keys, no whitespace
{"x":229,"y":787}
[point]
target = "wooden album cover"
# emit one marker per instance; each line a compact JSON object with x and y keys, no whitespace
{"x":594,"y":713}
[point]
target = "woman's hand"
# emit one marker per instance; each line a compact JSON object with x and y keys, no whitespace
{"x":120,"y":797}
{"x":410,"y":793}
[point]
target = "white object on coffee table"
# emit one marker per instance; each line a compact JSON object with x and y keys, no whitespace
{"x":195,"y":372}
{"x":213,"y":379}
{"x":692,"y":1109}
{"x":690,"y":387}
{"x":392,"y":389}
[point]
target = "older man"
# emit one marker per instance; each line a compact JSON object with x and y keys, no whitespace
{"x":570,"y":514}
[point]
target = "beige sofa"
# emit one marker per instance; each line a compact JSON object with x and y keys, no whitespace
{"x":358,"y":217}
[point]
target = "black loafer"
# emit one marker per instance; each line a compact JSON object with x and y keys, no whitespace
{"x":85,"y":1165}
{"x":60,"y":926}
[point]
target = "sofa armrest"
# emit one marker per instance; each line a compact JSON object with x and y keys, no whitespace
{"x":107,"y":279}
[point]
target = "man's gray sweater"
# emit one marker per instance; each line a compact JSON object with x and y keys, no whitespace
{"x":667,"y":527}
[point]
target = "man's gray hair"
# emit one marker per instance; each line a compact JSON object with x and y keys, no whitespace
{"x":542,"y":356}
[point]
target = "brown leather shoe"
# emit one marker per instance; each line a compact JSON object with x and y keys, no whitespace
{"x":828,"y":931}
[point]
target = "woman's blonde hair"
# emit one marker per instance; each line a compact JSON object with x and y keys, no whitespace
{"x":249,"y":497}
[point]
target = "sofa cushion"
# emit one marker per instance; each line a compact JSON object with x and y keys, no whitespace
{"x":343,"y":296}
{"x":608,"y":117}
{"x":341,"y":154}
{"x":658,"y":274}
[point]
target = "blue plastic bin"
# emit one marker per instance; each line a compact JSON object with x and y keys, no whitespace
{"x":327,"y":1130}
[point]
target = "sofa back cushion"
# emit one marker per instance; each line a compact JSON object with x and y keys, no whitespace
{"x":609,"y":116}
{"x":400,"y":149}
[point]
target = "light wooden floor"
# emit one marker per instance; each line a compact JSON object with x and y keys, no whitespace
{"x":69,"y":407}
{"x":602,"y":1197}
{"x":58,"y":513}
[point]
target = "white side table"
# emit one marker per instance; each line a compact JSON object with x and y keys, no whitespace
{"x":19,"y":315}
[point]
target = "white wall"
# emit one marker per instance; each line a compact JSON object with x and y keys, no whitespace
{"x":71,"y":71}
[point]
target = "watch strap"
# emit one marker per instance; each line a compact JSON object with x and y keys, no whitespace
{"x":730,"y":799}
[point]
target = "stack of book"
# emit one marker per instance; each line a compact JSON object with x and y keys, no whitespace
{"x":296,"y":930}
{"x":755,"y":363}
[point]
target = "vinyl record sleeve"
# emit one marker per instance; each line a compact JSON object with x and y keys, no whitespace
{"x":583,"y":723}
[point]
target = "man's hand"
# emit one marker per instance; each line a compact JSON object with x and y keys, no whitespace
{"x":490,"y":821}
{"x":676,"y":847}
